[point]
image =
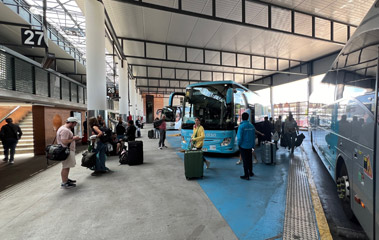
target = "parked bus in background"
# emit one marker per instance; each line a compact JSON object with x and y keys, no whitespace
{"x":344,"y":132}
{"x":219,"y":105}
{"x":173,"y":116}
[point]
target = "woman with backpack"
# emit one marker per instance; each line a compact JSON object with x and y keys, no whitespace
{"x":101,"y":146}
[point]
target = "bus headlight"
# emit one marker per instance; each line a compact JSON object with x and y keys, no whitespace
{"x":183,"y":140}
{"x":226,"y":141}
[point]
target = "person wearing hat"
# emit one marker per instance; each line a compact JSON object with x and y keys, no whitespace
{"x":10,"y":134}
{"x":67,"y":139}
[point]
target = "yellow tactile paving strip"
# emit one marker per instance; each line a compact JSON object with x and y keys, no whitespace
{"x":322,"y":223}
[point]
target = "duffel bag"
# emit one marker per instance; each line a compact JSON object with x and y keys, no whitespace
{"x":88,"y":159}
{"x":57,"y":152}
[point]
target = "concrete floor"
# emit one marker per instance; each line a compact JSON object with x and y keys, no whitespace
{"x":150,"y":201}
{"x":153,"y":200}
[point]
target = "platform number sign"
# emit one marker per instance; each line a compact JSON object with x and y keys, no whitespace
{"x":111,"y":91}
{"x":33,"y":38}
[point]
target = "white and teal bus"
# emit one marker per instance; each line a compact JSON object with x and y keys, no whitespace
{"x":344,"y":132}
{"x":219,"y":105}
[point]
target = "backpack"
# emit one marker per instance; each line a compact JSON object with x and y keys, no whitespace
{"x":107,"y":135}
{"x":157,"y":123}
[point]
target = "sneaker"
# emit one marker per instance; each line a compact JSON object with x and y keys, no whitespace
{"x":71,"y":181}
{"x":245,"y":177}
{"x":165,"y":146}
{"x":68,"y":185}
{"x":251,"y":174}
{"x":208,"y":163}
{"x":160,"y":148}
{"x":238,"y":162}
{"x":5,"y":159}
{"x":11,"y":161}
{"x":255,"y":160}
{"x":96,"y":173}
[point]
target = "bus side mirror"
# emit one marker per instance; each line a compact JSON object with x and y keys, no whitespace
{"x":229,"y":96}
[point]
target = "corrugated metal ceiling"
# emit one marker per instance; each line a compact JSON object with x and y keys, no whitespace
{"x":133,"y":21}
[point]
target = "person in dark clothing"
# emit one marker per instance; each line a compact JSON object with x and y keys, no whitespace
{"x":138,"y":122}
{"x":162,"y":133}
{"x":10,"y":134}
{"x":131,"y":131}
{"x":85,"y":133}
{"x":120,"y":128}
{"x":266,"y":130}
{"x":246,"y":141}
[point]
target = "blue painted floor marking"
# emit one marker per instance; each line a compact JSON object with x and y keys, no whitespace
{"x":253,"y":209}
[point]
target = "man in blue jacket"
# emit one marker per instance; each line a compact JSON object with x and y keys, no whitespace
{"x":246,"y":141}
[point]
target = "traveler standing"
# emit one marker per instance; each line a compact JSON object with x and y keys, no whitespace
{"x":156,"y":124}
{"x":85,"y":133}
{"x":100,"y":167}
{"x":197,"y":138}
{"x":267,"y":129}
{"x":131,"y":131}
{"x":100,"y":121}
{"x":162,"y":133}
{"x":290,"y":131}
{"x":67,"y":139}
{"x":246,"y":141}
{"x":277,"y":130}
{"x":10,"y":134}
{"x":120,"y":129}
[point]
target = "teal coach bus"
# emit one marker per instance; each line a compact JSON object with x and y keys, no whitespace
{"x":219,"y":105}
{"x":344,"y":132}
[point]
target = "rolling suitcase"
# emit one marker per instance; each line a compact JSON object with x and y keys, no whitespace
{"x":193,"y":164}
{"x":135,"y":153}
{"x":150,"y":133}
{"x":268,"y":153}
{"x":299,"y":140}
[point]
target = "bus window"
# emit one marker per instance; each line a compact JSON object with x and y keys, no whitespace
{"x":326,"y":116}
{"x":362,"y":123}
{"x":344,"y":119}
{"x":239,"y":106}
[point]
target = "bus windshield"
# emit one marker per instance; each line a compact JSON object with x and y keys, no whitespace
{"x":209,"y":104}
{"x":170,"y":113}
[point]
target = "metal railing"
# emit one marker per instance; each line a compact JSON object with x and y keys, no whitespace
{"x":22,"y":9}
{"x":11,"y":112}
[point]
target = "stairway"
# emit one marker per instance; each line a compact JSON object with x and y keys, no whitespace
{"x":25,"y":144}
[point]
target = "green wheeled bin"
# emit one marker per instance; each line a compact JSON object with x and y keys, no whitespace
{"x":193,"y":164}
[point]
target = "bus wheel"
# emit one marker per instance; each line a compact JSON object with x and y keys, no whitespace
{"x":343,"y":189}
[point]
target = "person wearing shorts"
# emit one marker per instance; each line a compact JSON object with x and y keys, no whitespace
{"x":67,"y":138}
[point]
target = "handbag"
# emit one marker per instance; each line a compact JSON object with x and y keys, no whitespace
{"x":88,"y":159}
{"x":57,"y":152}
{"x":275,"y":137}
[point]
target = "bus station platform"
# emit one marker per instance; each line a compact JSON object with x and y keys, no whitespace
{"x":155,"y":201}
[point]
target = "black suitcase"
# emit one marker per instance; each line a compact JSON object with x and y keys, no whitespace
{"x":299,"y":139}
{"x":135,"y":153}
{"x":150,"y":133}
